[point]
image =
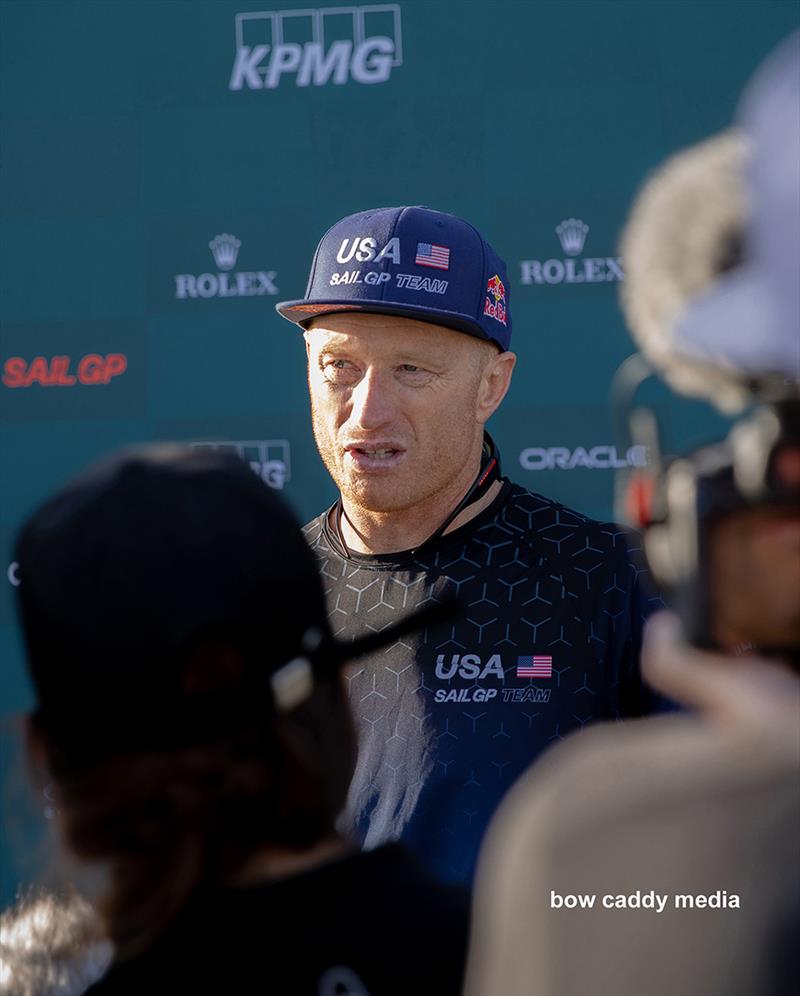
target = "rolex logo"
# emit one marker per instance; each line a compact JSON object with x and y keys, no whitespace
{"x":572,"y":234}
{"x":223,"y":283}
{"x":225,"y":249}
{"x":572,"y":268}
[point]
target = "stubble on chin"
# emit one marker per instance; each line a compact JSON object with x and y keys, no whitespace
{"x":374,"y":493}
{"x":371,"y":494}
{"x":359,"y":491}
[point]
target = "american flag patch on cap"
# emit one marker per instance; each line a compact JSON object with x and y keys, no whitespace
{"x":431,"y":255}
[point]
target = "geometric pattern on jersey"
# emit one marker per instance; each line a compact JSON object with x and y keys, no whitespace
{"x":445,"y":724}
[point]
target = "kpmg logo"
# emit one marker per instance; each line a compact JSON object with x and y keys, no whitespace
{"x":591,"y":458}
{"x":269,"y":458}
{"x":245,"y":283}
{"x":572,"y":234}
{"x":316,"y":47}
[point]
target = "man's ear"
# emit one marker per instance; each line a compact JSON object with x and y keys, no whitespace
{"x":495,"y":382}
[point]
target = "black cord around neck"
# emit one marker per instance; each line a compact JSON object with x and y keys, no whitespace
{"x":489,"y":473}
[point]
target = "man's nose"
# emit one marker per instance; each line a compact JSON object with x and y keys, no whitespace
{"x":371,"y":402}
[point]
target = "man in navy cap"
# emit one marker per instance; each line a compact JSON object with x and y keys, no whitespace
{"x":407,"y":325}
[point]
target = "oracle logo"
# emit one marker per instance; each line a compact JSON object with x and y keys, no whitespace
{"x":590,"y":458}
{"x":59,"y":371}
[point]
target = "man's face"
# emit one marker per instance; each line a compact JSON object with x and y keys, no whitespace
{"x":398,"y":405}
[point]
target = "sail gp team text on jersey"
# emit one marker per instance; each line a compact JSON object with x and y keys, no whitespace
{"x":471,"y":666}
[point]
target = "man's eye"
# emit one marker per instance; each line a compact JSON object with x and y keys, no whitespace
{"x":413,"y":375}
{"x":340,"y":371}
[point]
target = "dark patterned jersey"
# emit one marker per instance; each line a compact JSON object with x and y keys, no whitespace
{"x":546,"y":641}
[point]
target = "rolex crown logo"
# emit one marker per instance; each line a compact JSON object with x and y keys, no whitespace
{"x":572,"y":234}
{"x":225,"y":249}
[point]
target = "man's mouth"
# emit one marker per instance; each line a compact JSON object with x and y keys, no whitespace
{"x":375,"y":453}
{"x":381,"y":455}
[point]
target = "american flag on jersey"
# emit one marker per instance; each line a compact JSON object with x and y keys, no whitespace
{"x":537,"y":666}
{"x":430,"y":255}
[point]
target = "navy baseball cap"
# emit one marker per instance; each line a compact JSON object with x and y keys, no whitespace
{"x":409,"y":261}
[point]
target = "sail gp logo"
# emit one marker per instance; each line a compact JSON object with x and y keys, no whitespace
{"x":329,"y":45}
{"x":489,"y":677}
{"x":62,"y":371}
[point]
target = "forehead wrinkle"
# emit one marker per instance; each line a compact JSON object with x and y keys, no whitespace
{"x":411,"y":344}
{"x":368,"y":324}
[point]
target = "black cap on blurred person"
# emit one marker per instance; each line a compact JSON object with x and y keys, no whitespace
{"x":168,"y":597}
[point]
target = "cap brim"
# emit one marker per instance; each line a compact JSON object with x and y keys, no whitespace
{"x":301,"y":312}
{"x":737,"y":324}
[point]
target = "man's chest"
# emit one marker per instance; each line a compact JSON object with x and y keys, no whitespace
{"x":523,"y":637}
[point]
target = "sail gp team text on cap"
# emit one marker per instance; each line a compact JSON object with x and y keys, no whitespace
{"x":409,"y":261}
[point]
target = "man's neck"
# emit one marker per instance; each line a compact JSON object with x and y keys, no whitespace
{"x":365,"y":531}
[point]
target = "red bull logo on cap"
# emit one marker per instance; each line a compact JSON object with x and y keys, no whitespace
{"x":495,"y":288}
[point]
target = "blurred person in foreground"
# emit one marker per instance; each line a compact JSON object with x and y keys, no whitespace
{"x":193,"y":723}
{"x":684,"y":829}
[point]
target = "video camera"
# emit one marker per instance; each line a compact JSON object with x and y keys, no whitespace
{"x":721,"y":524}
{"x":684,"y":504}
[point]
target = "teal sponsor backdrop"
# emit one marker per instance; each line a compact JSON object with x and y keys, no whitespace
{"x":124,"y":152}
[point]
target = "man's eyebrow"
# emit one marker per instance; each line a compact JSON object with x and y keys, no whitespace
{"x":421,"y":353}
{"x":435,"y":359}
{"x":333,"y":340}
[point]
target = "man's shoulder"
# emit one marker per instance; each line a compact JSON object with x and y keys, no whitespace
{"x":560,"y":532}
{"x":313,"y":530}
